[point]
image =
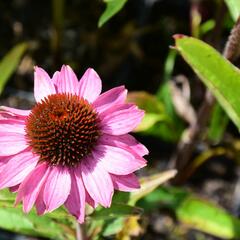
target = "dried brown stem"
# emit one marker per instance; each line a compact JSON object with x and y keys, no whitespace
{"x":232,"y":48}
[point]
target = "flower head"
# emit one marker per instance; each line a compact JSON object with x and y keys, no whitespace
{"x":73,"y":147}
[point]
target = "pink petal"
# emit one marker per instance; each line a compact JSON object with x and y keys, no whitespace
{"x":56,"y":79}
{"x":90,"y":201}
{"x":4,"y":161}
{"x":124,"y":141}
{"x":40,"y":205}
{"x":76,"y":199}
{"x":43,"y":86}
{"x":110,"y":98}
{"x":12,"y":143}
{"x":126,"y":183}
{"x":121,"y":119}
{"x":14,"y":111}
{"x":97,"y":182}
{"x":31,"y":186}
{"x":117,"y":160}
{"x":67,"y":81}
{"x":12,"y":125}
{"x":57,"y":188}
{"x":17,"y":168}
{"x":14,"y":188}
{"x":90,"y":85}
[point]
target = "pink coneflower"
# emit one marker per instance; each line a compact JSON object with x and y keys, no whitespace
{"x":73,"y":147}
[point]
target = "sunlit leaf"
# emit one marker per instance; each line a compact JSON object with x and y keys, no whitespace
{"x":146,"y":101}
{"x":9,"y":63}
{"x":148,"y":184}
{"x":194,"y":212}
{"x":234,"y":8}
{"x":114,"y":226}
{"x":112,"y":8}
{"x":6,"y":195}
{"x":156,"y":122}
{"x":209,"y":218}
{"x":13,"y":219}
{"x":221,"y":77}
{"x":154,"y":110}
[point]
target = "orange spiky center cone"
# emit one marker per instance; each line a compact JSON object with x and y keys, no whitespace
{"x":62,"y":129}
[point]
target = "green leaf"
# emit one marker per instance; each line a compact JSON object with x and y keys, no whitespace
{"x":146,"y":101}
{"x":234,"y":8}
{"x":113,"y":7}
{"x":148,"y":184}
{"x":6,"y":195}
{"x":113,"y":226}
{"x":221,"y":77}
{"x":194,"y":212}
{"x":10,"y":62}
{"x":154,"y":109}
{"x":209,"y":218}
{"x":157,"y":121}
{"x":218,"y":124}
{"x":13,"y":219}
{"x":116,"y":210}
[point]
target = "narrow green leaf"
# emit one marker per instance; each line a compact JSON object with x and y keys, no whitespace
{"x":221,"y":77}
{"x":234,"y":8}
{"x":10,"y":62}
{"x":112,"y":8}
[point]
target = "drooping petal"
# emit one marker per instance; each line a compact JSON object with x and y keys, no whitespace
{"x":17,"y":168}
{"x":17,"y":113}
{"x":90,"y":85}
{"x":43,"y":86}
{"x":67,"y":81}
{"x":121,"y":119}
{"x":12,"y":143}
{"x":57,"y":188}
{"x":12,"y":125}
{"x":118,"y":160}
{"x":76,"y":199}
{"x":40,"y":205}
{"x":97,"y":181}
{"x":31,"y":186}
{"x":90,"y":201}
{"x":126,"y":183}
{"x":125,"y":141}
{"x":110,"y":98}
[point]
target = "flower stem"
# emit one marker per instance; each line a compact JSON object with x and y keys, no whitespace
{"x":79,"y":232}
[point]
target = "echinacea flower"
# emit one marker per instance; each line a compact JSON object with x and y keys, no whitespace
{"x":73,"y":147}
